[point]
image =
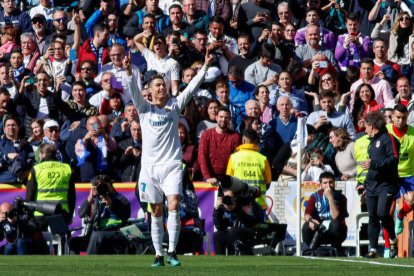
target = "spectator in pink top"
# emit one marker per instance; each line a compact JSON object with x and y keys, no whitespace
{"x":382,"y":88}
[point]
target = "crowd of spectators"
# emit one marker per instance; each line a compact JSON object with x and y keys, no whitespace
{"x":63,"y":80}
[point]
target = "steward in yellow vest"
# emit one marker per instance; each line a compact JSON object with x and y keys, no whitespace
{"x":52,"y":181}
{"x":250,"y":166}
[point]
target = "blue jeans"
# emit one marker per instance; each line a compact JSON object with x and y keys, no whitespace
{"x":26,"y":246}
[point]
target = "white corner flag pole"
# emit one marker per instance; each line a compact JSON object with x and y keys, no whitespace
{"x":301,"y":134}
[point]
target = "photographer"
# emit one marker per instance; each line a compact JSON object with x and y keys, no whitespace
{"x":109,"y":211}
{"x":325,"y":215}
{"x":234,"y":216}
{"x":21,"y":233}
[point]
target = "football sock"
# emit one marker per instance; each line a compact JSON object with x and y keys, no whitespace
{"x":173,"y":226}
{"x":386,"y":238}
{"x":157,"y":234}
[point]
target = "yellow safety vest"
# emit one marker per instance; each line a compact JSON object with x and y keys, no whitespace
{"x":52,"y":178}
{"x":361,"y":155}
{"x":248,"y":165}
{"x":406,"y":156}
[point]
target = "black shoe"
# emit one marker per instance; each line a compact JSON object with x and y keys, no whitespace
{"x":172,"y":259}
{"x":372,"y":254}
{"x":158,"y":261}
{"x":393,"y":250}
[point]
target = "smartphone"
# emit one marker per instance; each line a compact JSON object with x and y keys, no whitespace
{"x":323,"y":64}
{"x":95,"y":126}
{"x":323,"y":114}
{"x":72,"y":54}
{"x":175,"y":40}
{"x":353,"y":34}
{"x":31,"y":81}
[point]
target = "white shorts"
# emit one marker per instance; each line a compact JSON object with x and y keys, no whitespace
{"x":158,"y":180}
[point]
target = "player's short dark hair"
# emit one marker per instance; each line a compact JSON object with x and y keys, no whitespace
{"x":100,"y":27}
{"x":312,"y":9}
{"x":376,"y":120}
{"x":80,"y":83}
{"x":352,"y":16}
{"x":175,"y":6}
{"x":236,"y":71}
{"x":224,"y":108}
{"x":267,"y":51}
{"x":252,"y":135}
{"x":217,"y":19}
{"x":148,"y":15}
{"x":200,"y":31}
{"x":326,"y":94}
{"x":400,"y":108}
{"x":367,"y":61}
{"x":326,"y":175}
{"x":380,"y":39}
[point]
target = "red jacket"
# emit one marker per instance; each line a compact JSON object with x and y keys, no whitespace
{"x":86,"y":53}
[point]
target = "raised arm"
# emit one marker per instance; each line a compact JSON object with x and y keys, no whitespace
{"x":186,"y":95}
{"x":140,"y":103}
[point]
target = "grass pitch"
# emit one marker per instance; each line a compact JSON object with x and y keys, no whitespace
{"x":196,"y":265}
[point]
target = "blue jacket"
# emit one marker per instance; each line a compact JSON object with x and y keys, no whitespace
{"x":240,"y":94}
{"x":25,"y":159}
{"x":135,"y":22}
{"x":93,"y":20}
{"x":18,"y":19}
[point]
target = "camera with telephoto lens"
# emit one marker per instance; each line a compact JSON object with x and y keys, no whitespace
{"x":22,"y":214}
{"x":101,"y":183}
{"x":227,"y":200}
{"x":316,"y":237}
{"x":238,"y":187}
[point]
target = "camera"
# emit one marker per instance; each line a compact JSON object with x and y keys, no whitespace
{"x":22,"y":215}
{"x":238,"y":187}
{"x":101,"y":183}
{"x":102,"y":189}
{"x":227,"y":200}
{"x":316,"y":237}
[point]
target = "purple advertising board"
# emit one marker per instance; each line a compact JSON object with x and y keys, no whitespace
{"x":205,"y":192}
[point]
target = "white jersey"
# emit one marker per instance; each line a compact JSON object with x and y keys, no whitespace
{"x":160,"y":141}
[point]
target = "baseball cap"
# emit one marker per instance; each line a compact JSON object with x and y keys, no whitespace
{"x":39,"y":17}
{"x":49,"y":124}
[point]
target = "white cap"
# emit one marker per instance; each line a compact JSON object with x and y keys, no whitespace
{"x":50,"y":123}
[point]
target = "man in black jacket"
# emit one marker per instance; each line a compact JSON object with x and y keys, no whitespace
{"x":108,"y":211}
{"x":382,"y":181}
{"x":129,"y":152}
{"x":234,"y":217}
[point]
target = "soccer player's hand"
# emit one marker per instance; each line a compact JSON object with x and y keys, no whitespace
{"x":209,"y":58}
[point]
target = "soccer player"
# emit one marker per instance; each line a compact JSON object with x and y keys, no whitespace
{"x":161,"y":171}
{"x":405,"y":134}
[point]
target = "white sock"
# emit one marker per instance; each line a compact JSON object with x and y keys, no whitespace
{"x":157,"y":234}
{"x":173,"y":226}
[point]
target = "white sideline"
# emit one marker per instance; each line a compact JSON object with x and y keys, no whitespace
{"x":356,"y":261}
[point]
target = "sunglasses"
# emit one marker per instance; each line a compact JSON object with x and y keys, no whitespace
{"x":59,"y":20}
{"x":53,"y":129}
{"x":327,"y":79}
{"x":405,"y":18}
{"x":35,"y":21}
{"x":86,"y":69}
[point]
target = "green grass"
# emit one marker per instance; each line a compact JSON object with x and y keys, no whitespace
{"x":192,"y":265}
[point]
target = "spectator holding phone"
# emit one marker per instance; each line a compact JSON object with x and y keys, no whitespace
{"x":353,"y":46}
{"x":91,"y":149}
